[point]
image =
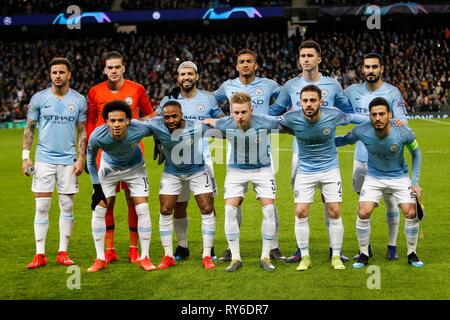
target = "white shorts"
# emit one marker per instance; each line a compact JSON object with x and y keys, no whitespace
{"x":47,"y":174}
{"x":198,"y":183}
{"x":237,"y":180}
{"x":185,"y":193}
{"x":135,"y":177}
{"x":373,"y":189}
{"x":359,"y":173}
{"x":329,"y":182}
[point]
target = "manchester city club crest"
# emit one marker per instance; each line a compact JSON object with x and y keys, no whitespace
{"x":324,"y":93}
{"x":326,"y":131}
{"x":259,"y":91}
{"x":71,"y":108}
{"x":129,"y":100}
{"x":200,"y":107}
{"x":296,"y":194}
{"x":393,"y":147}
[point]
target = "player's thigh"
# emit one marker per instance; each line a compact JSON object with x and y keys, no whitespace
{"x":170,"y":184}
{"x":44,"y":177}
{"x":359,"y":174}
{"x":305,"y":187}
{"x":264,"y":183}
{"x":372,"y":190}
{"x":331,"y":185}
{"x":66,"y":180}
{"x":200,"y":183}
{"x":236,"y":182}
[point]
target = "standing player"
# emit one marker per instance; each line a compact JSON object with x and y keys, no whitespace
{"x":117,"y":88}
{"x":58,"y":111}
{"x":360,"y":96}
{"x":387,"y":171}
{"x":249,"y":162}
{"x":121,"y":160}
{"x":184,"y":166}
{"x":263,"y":92}
{"x":289,"y":97}
{"x":314,"y":128}
{"x":196,"y":104}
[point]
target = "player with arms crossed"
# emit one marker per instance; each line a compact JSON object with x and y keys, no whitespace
{"x":249,"y":163}
{"x":263,"y":92}
{"x":58,"y":111}
{"x":196,"y":104}
{"x":387,"y":171}
{"x":360,"y":95}
{"x":314,"y":128}
{"x":310,"y":57}
{"x":121,"y":160}
{"x":182,"y":141}
{"x":117,"y":88}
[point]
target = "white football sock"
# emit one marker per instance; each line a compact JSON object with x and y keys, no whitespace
{"x":268,"y":229}
{"x":302,"y":235}
{"x":166,"y":232}
{"x":336,"y":232}
{"x":98,"y":224}
{"x":232,"y":231}
{"x":208,"y":232}
{"x":144,"y":225}
{"x":275,"y":243}
{"x":392,"y":218}
{"x":41,"y":223}
{"x":65,"y":220}
{"x":412,"y":234}
{"x":363,"y":234}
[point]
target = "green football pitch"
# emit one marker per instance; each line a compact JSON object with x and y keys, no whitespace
{"x":189,"y":281}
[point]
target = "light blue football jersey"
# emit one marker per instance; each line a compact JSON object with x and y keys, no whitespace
{"x":57,"y":121}
{"x":262,"y":91}
{"x":360,"y":96}
{"x":183,"y":148}
{"x":315,"y":140}
{"x":250,"y":148}
{"x":118,"y":154}
{"x":202,"y":106}
{"x":289,"y":97}
{"x":386,"y":157}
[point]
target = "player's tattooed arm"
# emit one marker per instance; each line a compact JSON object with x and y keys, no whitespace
{"x":82,"y":145}
{"x":28,"y":137}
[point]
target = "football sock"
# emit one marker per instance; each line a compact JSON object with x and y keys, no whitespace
{"x":363,"y":234}
{"x":109,"y":237}
{"x":302,"y":235}
{"x":166,"y":232}
{"x":275,"y":243}
{"x":392,"y":218}
{"x":181,"y":228}
{"x":144,"y":227}
{"x":336,"y":232}
{"x":98,"y":231}
{"x":132,"y":225}
{"x":208,"y":232}
{"x":268,"y":229}
{"x":41,"y":223}
{"x":65,"y":220}
{"x":232,"y":231}
{"x":411,"y":233}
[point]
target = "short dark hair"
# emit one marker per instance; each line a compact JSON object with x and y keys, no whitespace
{"x":172,"y":103}
{"x":248,"y":51}
{"x":113,"y":55}
{"x":312,"y":88}
{"x":374,"y":55}
{"x":379,"y":101}
{"x":61,"y":60}
{"x":310,"y":44}
{"x":116,"y":105}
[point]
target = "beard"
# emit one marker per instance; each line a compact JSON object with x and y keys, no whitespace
{"x":372,"y":80}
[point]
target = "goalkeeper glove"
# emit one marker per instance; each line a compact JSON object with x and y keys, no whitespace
{"x":158,"y":151}
{"x":97,"y":196}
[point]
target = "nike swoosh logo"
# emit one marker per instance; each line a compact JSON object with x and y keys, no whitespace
{"x":45,"y":107}
{"x":358,"y":98}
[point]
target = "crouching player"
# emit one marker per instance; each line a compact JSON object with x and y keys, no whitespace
{"x":387,"y":170}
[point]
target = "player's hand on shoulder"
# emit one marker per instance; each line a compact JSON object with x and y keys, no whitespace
{"x":27,"y":167}
{"x":398,"y":122}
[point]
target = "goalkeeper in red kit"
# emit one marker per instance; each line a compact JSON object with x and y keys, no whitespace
{"x":134,"y":94}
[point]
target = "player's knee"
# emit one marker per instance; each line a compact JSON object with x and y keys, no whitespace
{"x":66,"y":203}
{"x":207,"y":208}
{"x":364,"y":213}
{"x":166,"y":211}
{"x":301,"y":213}
{"x":269,"y":212}
{"x":334,"y":212}
{"x":410,"y":213}
{"x":43,"y":206}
